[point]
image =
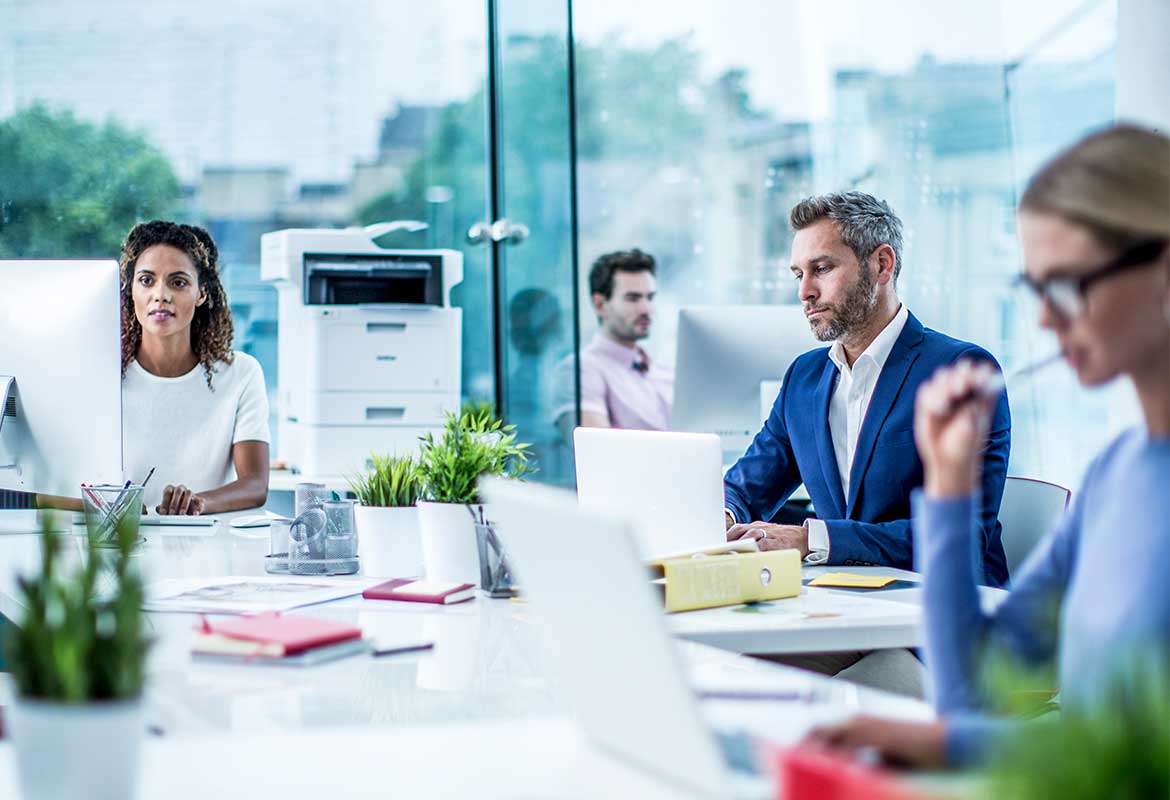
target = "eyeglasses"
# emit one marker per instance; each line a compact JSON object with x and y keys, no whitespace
{"x":1066,"y":294}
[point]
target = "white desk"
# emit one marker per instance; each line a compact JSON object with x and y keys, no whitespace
{"x":820,"y":620}
{"x":473,"y":717}
{"x":492,"y":761}
{"x":485,"y":664}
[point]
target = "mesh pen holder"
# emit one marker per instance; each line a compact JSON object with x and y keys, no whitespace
{"x":495,"y":574}
{"x":312,"y":544}
{"x":112,"y":511}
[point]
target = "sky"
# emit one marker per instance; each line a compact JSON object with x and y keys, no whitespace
{"x":270,"y":82}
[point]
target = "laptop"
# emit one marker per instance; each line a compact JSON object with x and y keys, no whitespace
{"x":606,"y":645}
{"x":670,"y":485}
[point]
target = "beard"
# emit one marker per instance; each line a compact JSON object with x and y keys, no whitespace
{"x":852,"y":312}
{"x":628,"y":331}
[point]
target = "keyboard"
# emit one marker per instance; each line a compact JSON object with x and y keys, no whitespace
{"x":175,"y":519}
{"x":164,"y":520}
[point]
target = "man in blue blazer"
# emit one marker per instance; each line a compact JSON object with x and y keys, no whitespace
{"x":843,"y":422}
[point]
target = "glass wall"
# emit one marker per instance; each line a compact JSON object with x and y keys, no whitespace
{"x":247,"y":118}
{"x":535,"y":254}
{"x":701,"y":125}
{"x":1060,"y":86}
{"x":694,"y":127}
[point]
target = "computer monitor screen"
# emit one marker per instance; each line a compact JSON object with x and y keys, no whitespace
{"x":724,"y":354}
{"x":61,"y":343}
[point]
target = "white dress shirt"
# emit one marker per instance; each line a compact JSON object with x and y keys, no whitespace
{"x":847,"y":409}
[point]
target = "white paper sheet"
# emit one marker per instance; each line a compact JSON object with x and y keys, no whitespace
{"x":248,"y":594}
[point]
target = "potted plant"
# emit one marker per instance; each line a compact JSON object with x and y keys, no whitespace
{"x":1117,"y":747}
{"x":387,"y":519}
{"x":77,"y":657}
{"x":474,"y":442}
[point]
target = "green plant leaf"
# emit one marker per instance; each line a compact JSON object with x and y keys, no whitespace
{"x":70,"y":645}
{"x":473,"y":443}
{"x":391,"y":481}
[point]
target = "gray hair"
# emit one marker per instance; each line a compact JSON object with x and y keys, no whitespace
{"x":865,"y":222}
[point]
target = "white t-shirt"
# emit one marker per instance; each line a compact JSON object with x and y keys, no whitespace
{"x":185,"y":430}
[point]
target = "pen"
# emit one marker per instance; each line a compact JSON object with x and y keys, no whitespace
{"x":121,"y":494}
{"x":409,"y":648}
{"x":96,"y":498}
{"x":998,"y":382}
{"x":118,"y":507}
{"x":787,"y":695}
{"x":145,"y":481}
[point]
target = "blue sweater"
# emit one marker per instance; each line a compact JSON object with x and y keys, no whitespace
{"x":1104,"y":567}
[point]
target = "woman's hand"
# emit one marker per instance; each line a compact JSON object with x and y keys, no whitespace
{"x":952,"y":414}
{"x":909,"y":744}
{"x":180,"y":500}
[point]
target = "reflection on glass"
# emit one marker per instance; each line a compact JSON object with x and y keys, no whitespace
{"x":621,"y":386}
{"x":699,"y":131}
{"x":536,"y":332}
{"x":535,"y":191}
{"x":1057,"y":90}
{"x":246,"y":118}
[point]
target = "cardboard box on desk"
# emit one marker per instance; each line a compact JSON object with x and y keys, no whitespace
{"x":708,"y":581}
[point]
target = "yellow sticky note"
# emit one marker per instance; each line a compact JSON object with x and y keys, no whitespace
{"x":851,"y":581}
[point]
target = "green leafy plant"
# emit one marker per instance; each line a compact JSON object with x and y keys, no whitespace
{"x":81,"y":637}
{"x":479,"y":416}
{"x":473,"y":443}
{"x":1119,"y":748}
{"x":391,"y":481}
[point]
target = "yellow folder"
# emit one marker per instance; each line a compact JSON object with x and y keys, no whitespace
{"x":727,"y":579}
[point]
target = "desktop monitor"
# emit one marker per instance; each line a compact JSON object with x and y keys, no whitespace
{"x":724,"y":355}
{"x":60,"y":375}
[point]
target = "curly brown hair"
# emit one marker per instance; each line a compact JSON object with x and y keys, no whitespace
{"x":211,"y":328}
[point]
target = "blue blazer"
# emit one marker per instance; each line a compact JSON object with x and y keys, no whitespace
{"x":871,"y":525}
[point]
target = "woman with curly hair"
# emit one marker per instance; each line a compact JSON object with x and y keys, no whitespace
{"x":192,"y":409}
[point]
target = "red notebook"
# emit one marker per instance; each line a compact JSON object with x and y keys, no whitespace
{"x":813,"y":773}
{"x":293,"y":634}
{"x":421,"y":591}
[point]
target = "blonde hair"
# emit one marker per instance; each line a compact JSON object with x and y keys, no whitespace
{"x":1115,"y":182}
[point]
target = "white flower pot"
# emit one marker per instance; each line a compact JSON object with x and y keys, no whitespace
{"x":388,"y":541}
{"x":449,"y":550}
{"x":86,"y":750}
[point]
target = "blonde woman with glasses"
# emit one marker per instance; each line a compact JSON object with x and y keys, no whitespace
{"x":1094,"y":224}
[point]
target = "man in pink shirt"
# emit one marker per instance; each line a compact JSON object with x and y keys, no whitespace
{"x":621,"y":387}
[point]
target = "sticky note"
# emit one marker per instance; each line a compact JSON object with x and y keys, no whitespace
{"x":851,"y":581}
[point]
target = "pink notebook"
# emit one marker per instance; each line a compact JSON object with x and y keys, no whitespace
{"x":294,"y":634}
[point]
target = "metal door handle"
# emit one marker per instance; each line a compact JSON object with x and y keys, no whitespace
{"x":479,"y":233}
{"x":502,"y":230}
{"x":510,"y":232}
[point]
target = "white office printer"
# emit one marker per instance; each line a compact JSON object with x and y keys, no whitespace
{"x":369,"y":346}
